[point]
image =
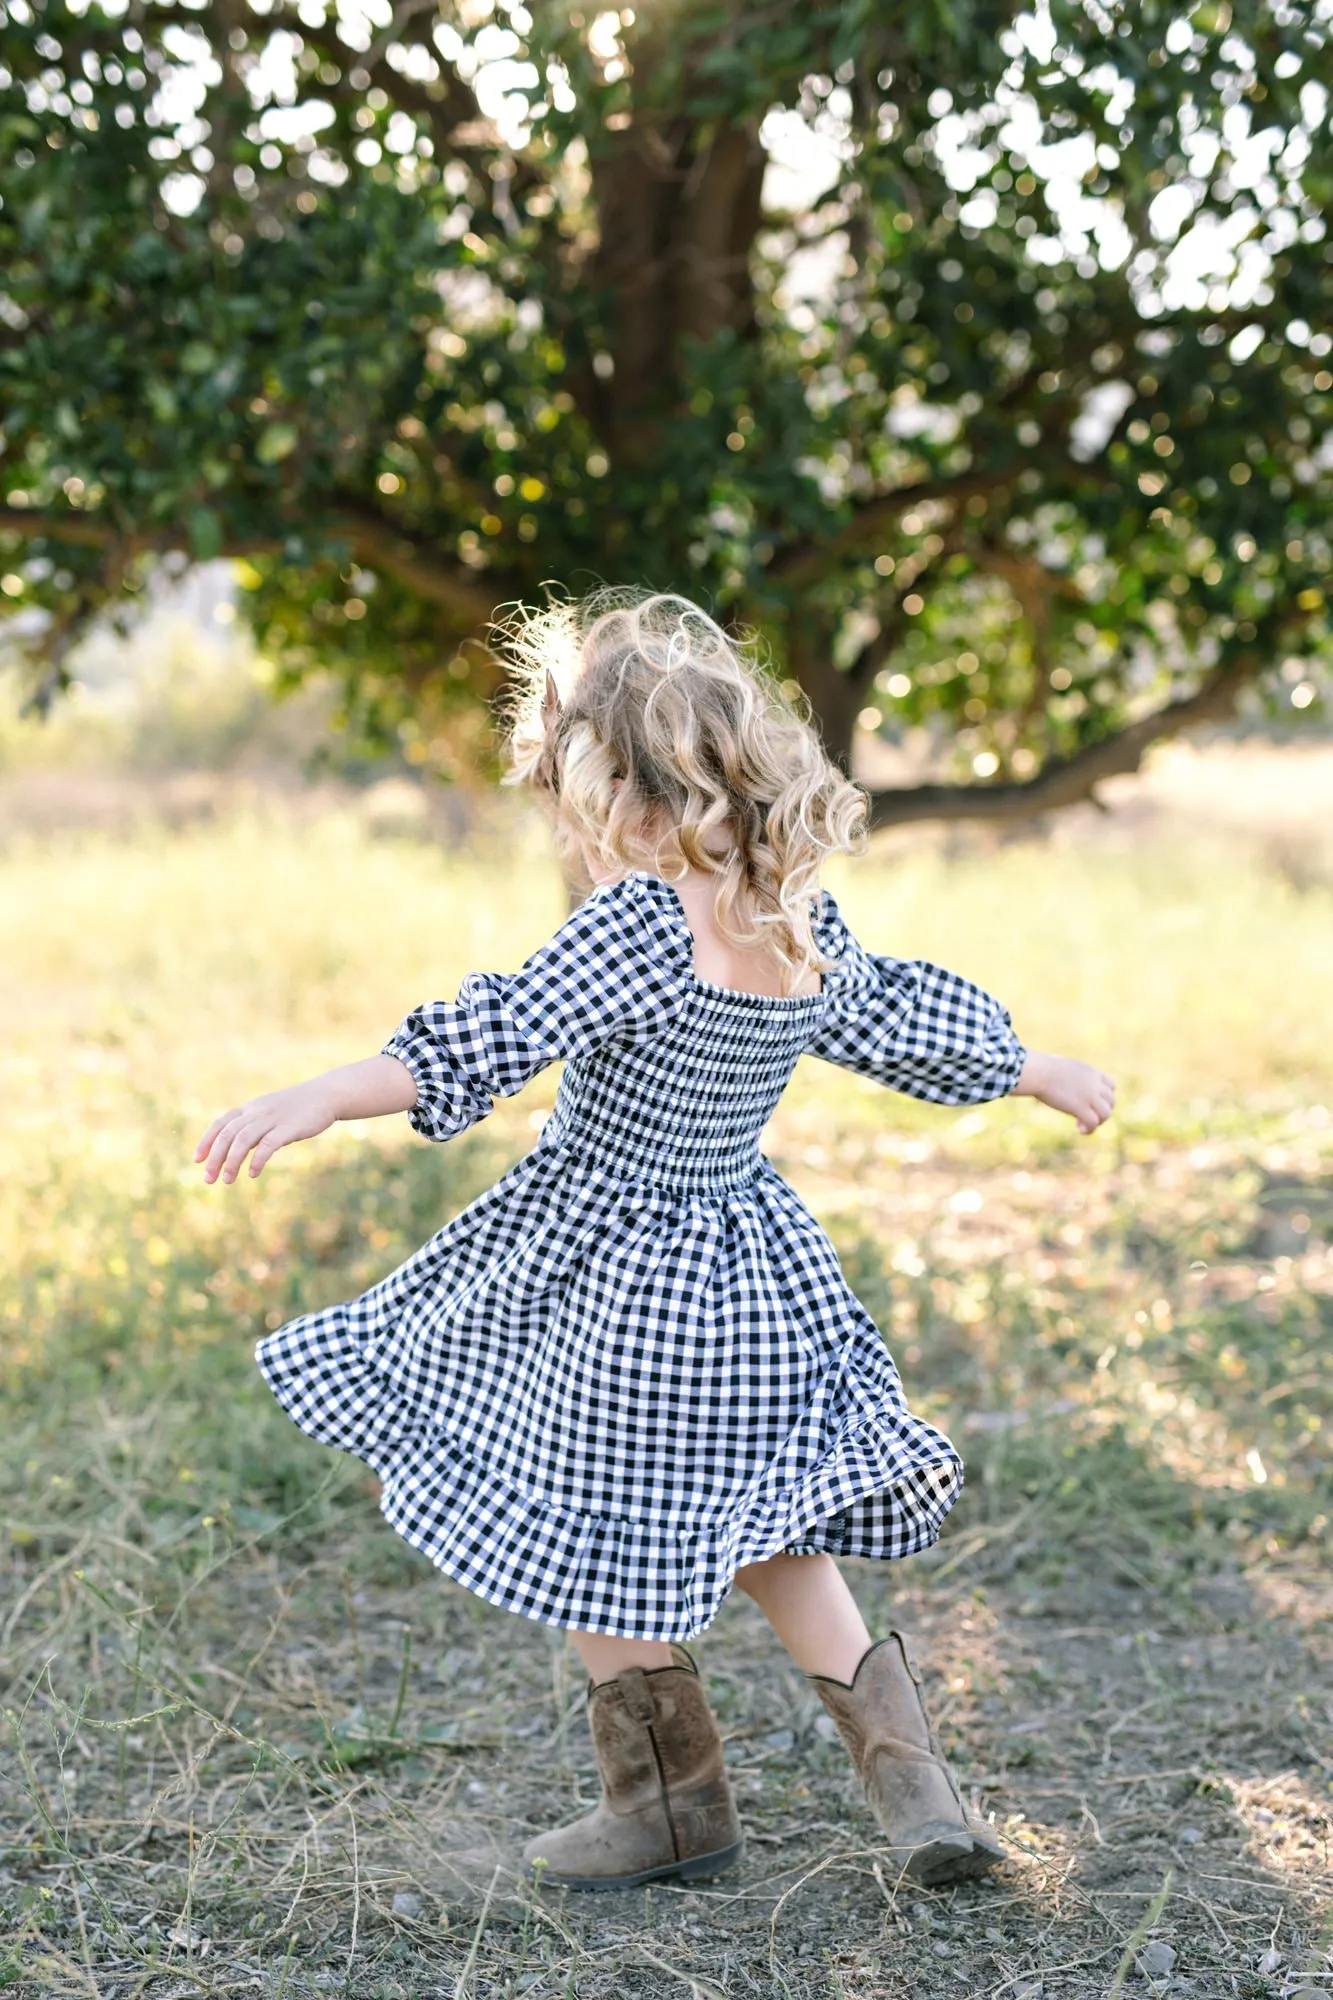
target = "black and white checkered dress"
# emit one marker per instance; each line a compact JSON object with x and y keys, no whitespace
{"x":634,"y":1364}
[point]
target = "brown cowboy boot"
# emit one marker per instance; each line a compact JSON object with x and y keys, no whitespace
{"x":666,"y":1805}
{"x":882,"y":1720}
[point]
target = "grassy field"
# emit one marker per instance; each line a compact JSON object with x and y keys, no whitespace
{"x":251,"y":1743}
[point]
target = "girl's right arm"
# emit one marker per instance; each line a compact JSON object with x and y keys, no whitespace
{"x":604,"y":973}
{"x":369,"y":1089}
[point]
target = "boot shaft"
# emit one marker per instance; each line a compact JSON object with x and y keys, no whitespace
{"x":884,"y":1701}
{"x":666,"y":1805}
{"x":620,"y":1721}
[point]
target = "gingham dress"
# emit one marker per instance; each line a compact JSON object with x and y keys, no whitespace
{"x":634,"y":1364}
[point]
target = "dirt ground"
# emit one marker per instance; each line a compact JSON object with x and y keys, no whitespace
{"x":1142,"y":1749}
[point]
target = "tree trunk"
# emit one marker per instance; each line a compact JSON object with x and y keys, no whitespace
{"x":836,"y":698}
{"x":678,"y":206}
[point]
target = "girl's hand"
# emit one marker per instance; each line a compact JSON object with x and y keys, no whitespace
{"x":1076,"y":1088}
{"x":369,"y":1089}
{"x":264,"y":1124}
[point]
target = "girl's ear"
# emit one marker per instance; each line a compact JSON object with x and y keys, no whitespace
{"x":551,"y":699}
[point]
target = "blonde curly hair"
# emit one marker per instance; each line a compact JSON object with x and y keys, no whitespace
{"x":657,"y":741}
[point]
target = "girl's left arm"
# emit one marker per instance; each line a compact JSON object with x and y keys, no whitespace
{"x":930,"y":1033}
{"x":255,"y":1130}
{"x":1085,"y":1094}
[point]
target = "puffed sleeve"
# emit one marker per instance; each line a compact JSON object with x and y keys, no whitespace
{"x":613,"y":972}
{"x":912,"y":1025}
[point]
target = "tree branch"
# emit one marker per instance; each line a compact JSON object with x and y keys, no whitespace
{"x":449,"y":106}
{"x":408,"y":557}
{"x":374,"y":540}
{"x":1067,"y":780}
{"x":798,"y":561}
{"x":84,"y":531}
{"x":57,"y":643}
{"x":455,"y":104}
{"x":446,"y":106}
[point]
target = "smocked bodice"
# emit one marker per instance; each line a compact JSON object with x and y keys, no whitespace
{"x":685,"y":1110}
{"x":670,"y":1079}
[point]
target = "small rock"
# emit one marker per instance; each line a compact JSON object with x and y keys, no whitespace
{"x":406,"y":1904}
{"x":826,"y":1727}
{"x":1189,"y":1836}
{"x":1032,"y":1991}
{"x":782,"y":1739}
{"x":994,"y":1935}
{"x":941,"y":1949}
{"x":1270,"y":1962}
{"x":1156,"y":1960}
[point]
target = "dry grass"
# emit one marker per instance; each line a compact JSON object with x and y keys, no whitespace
{"x":252,"y":1744}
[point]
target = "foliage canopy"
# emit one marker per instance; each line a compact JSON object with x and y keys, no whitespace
{"x":1007,"y":416}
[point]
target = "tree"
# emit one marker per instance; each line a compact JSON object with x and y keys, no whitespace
{"x":1017,"y":427}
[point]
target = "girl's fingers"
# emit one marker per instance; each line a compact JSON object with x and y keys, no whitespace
{"x":211,"y":1134}
{"x":222,"y":1145}
{"x":1095,"y":1113}
{"x":255,"y":1128}
{"x":217,"y":1152}
{"x":245,"y":1140}
{"x":1094,"y":1107}
{"x":264,"y":1152}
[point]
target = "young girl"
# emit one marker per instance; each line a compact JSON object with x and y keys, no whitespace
{"x":632,"y":1374}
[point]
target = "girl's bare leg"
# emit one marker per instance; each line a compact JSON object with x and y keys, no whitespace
{"x":809,"y":1605}
{"x":804,"y":1598}
{"x":604,"y":1657}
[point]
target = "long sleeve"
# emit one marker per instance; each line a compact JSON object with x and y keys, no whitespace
{"x":912,"y":1025}
{"x":610,"y":973}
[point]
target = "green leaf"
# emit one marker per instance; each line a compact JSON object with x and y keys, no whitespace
{"x":205,"y":533}
{"x":276,"y":442}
